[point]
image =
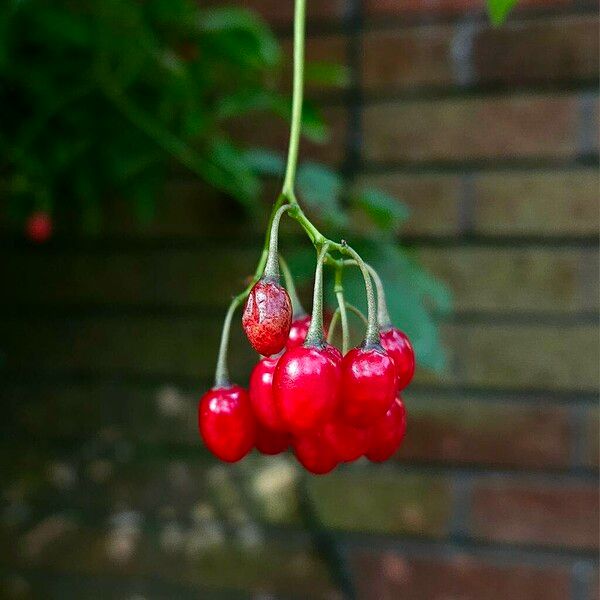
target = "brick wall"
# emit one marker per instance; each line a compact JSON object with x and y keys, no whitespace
{"x":491,"y":137}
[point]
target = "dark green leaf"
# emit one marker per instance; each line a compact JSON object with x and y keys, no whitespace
{"x":320,"y":188}
{"x":499,"y":9}
{"x":265,"y":162}
{"x":384,"y":210}
{"x":327,"y":74}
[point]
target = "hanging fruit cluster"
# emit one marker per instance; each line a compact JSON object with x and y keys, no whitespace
{"x":330,"y":406}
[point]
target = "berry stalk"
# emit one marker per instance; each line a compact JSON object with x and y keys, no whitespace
{"x":339,"y":294}
{"x":372,"y":334}
{"x":314,"y":337}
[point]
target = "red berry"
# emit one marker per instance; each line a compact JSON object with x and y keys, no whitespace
{"x":39,"y":227}
{"x":306,"y":384}
{"x":347,"y":442}
{"x":314,"y":454}
{"x":267,"y":317}
{"x":226,"y":422}
{"x":298,"y":331}
{"x":368,"y":385}
{"x":398,"y":346}
{"x":387,"y":434}
{"x":271,"y":442}
{"x":261,"y":394}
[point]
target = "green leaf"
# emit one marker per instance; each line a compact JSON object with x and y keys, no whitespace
{"x":499,"y":9}
{"x":313,"y":125}
{"x":384,"y":210}
{"x":265,"y":162}
{"x":327,"y":74}
{"x":239,"y":21}
{"x":320,"y":188}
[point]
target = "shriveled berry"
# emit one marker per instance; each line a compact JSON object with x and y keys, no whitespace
{"x":368,"y":385}
{"x":398,"y":346}
{"x":385,"y":437}
{"x":306,"y":384}
{"x":261,"y":394}
{"x":298,"y":331}
{"x":267,"y":317}
{"x":348,"y":442}
{"x":314,"y":454}
{"x":226,"y":422}
{"x":271,"y":442}
{"x":39,"y":227}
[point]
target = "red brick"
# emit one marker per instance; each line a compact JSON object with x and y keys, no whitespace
{"x":433,"y":201}
{"x":537,"y":202}
{"x":393,"y":8}
{"x":541,"y":126}
{"x":516,"y":279}
{"x":390,"y":575}
{"x":416,"y":56}
{"x":559,"y":514}
{"x":592,"y":432}
{"x":543,"y":50}
{"x":484,"y":433}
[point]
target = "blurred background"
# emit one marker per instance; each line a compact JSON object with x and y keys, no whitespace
{"x":141,"y":145}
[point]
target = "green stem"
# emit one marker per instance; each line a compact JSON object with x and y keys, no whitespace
{"x":222,"y":372}
{"x":314,"y":337}
{"x":357,"y":312}
{"x":297,"y":308}
{"x":383,"y":315}
{"x":297,"y":99}
{"x":272,"y":267}
{"x":339,"y":294}
{"x":372,"y":334}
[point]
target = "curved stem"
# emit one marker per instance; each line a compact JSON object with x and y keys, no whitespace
{"x":314,"y":337}
{"x":297,"y":308}
{"x":272,"y":266}
{"x":333,"y":324}
{"x":222,"y":372}
{"x":339,"y":294}
{"x":297,"y":99}
{"x":372,"y":334}
{"x":357,"y":312}
{"x":383,"y":315}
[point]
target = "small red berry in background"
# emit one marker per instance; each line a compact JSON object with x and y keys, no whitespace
{"x":261,"y":394}
{"x":398,"y":346}
{"x":387,"y":434}
{"x":38,"y":227}
{"x":368,"y":385}
{"x":314,"y":454}
{"x":226,"y":422}
{"x":298,"y":331}
{"x":267,"y":317}
{"x":271,"y":442}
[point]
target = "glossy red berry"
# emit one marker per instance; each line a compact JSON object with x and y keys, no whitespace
{"x":387,"y":434}
{"x":226,"y":422}
{"x":298,"y":331}
{"x":261,"y":394}
{"x":348,"y":442}
{"x":368,"y":385}
{"x":271,"y":442}
{"x":314,"y":454}
{"x":39,"y":227}
{"x":306,"y":384}
{"x":398,"y":346}
{"x":267,"y":317}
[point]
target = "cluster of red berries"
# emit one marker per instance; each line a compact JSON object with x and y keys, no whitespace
{"x":303,"y":393}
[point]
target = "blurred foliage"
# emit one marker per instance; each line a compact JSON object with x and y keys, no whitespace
{"x":499,"y":10}
{"x":100,"y":98}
